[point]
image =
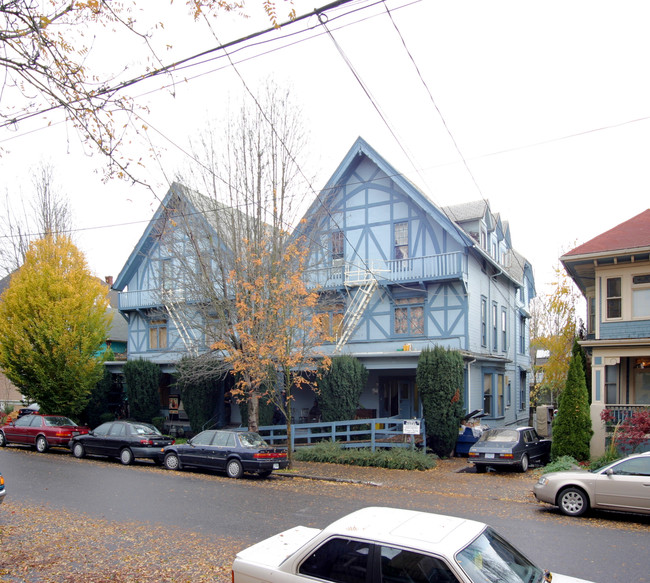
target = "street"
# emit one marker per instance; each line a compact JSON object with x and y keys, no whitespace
{"x":175,"y":514}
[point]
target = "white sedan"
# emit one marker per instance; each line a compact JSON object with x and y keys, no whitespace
{"x":390,"y":545}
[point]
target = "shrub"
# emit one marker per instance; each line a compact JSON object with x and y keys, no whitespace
{"x":158,"y":423}
{"x":572,"y":425}
{"x":439,"y":378}
{"x":390,"y":458}
{"x":340,"y":388}
{"x":106,"y":417}
{"x":561,"y":464}
{"x":142,"y":389}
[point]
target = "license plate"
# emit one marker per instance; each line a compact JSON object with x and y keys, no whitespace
{"x":276,"y":466}
{"x":75,"y":433}
{"x":489,"y":456}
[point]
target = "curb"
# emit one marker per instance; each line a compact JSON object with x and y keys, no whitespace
{"x":324,"y":479}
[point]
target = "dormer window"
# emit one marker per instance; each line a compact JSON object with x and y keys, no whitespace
{"x":614,"y":298}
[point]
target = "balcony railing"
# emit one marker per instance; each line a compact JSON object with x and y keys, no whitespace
{"x":621,"y":412}
{"x":430,"y":267}
{"x":151,"y":298}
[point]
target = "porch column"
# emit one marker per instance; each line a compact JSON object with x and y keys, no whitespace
{"x":597,"y":444}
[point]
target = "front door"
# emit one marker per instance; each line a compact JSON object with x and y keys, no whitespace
{"x":399,"y":397}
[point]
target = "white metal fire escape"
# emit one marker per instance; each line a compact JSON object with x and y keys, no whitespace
{"x":366,"y":283}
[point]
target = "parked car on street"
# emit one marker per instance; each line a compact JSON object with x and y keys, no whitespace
{"x":3,"y":490}
{"x":41,"y":431}
{"x":516,"y":447}
{"x":390,"y":545}
{"x":125,"y":440}
{"x":235,"y":452}
{"x":623,"y":485}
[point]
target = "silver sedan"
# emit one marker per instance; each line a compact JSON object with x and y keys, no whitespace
{"x":623,"y":485}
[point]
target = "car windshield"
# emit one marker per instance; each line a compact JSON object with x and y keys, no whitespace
{"x":508,"y":435}
{"x":249,"y":439}
{"x":58,"y":421}
{"x":491,"y":559}
{"x":144,"y":429}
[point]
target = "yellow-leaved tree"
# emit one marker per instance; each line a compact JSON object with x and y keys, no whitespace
{"x":53,"y":320}
{"x":554,"y":329}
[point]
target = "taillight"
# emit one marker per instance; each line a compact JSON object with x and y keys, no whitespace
{"x":507,"y":455}
{"x":473,"y":454}
{"x":63,"y":434}
{"x":270,"y":455}
{"x":146,"y":442}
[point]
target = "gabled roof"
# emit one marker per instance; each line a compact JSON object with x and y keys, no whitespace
{"x":632,"y":234}
{"x":625,"y":243}
{"x":147,"y":240}
{"x":350,"y":162}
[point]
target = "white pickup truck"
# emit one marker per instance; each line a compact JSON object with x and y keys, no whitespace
{"x":390,"y":545}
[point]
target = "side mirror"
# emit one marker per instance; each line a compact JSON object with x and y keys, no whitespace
{"x":610,"y":472}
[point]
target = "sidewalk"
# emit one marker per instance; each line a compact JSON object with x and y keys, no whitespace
{"x":449,"y":475}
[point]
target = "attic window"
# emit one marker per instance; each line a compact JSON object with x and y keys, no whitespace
{"x":401,"y":232}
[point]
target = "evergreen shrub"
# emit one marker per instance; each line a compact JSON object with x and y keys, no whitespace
{"x":142,"y":389}
{"x":396,"y":458}
{"x":439,"y":377}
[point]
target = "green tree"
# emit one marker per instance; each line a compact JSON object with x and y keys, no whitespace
{"x":142,"y":389}
{"x":572,"y":425}
{"x":439,"y":377}
{"x":340,"y":388}
{"x":53,"y":319}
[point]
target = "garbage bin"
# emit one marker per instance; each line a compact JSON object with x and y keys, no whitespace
{"x":544,"y":420}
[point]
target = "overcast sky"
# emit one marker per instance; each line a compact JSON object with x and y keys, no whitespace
{"x":548,"y":103}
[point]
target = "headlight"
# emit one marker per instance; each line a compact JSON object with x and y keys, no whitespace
{"x":543,"y":481}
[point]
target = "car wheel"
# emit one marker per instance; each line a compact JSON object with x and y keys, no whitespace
{"x":480,"y":468}
{"x":172,"y":462}
{"x":3,"y":439}
{"x":234,"y":469}
{"x":264,"y":474}
{"x":126,"y":456}
{"x":523,"y":465}
{"x":78,"y":450}
{"x":41,"y":444}
{"x":573,"y":502}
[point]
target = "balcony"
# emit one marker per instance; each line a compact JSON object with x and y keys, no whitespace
{"x":153,"y":298}
{"x":445,"y":266}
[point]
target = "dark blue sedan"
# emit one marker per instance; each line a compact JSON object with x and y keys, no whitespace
{"x":234,"y":452}
{"x":516,"y":447}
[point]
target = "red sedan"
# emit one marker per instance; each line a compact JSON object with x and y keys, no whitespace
{"x":41,"y":431}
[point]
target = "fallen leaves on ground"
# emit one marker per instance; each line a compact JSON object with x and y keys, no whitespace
{"x":46,"y":545}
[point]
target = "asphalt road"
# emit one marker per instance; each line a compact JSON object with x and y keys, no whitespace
{"x":604,"y":548}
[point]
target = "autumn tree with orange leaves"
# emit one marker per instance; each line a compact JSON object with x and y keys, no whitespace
{"x":234,"y":275}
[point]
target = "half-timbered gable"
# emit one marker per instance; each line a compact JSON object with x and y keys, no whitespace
{"x":404,"y":274}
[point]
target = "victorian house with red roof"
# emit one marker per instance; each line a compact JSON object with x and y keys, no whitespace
{"x":612,"y":271}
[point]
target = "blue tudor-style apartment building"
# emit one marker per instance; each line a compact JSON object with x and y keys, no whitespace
{"x":400,"y":272}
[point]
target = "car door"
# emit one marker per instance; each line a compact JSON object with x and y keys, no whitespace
{"x":95,"y":443}
{"x":223,"y":445}
{"x":197,"y":451}
{"x":534,"y":446}
{"x":19,"y":431}
{"x":116,"y":438}
{"x":625,"y":485}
